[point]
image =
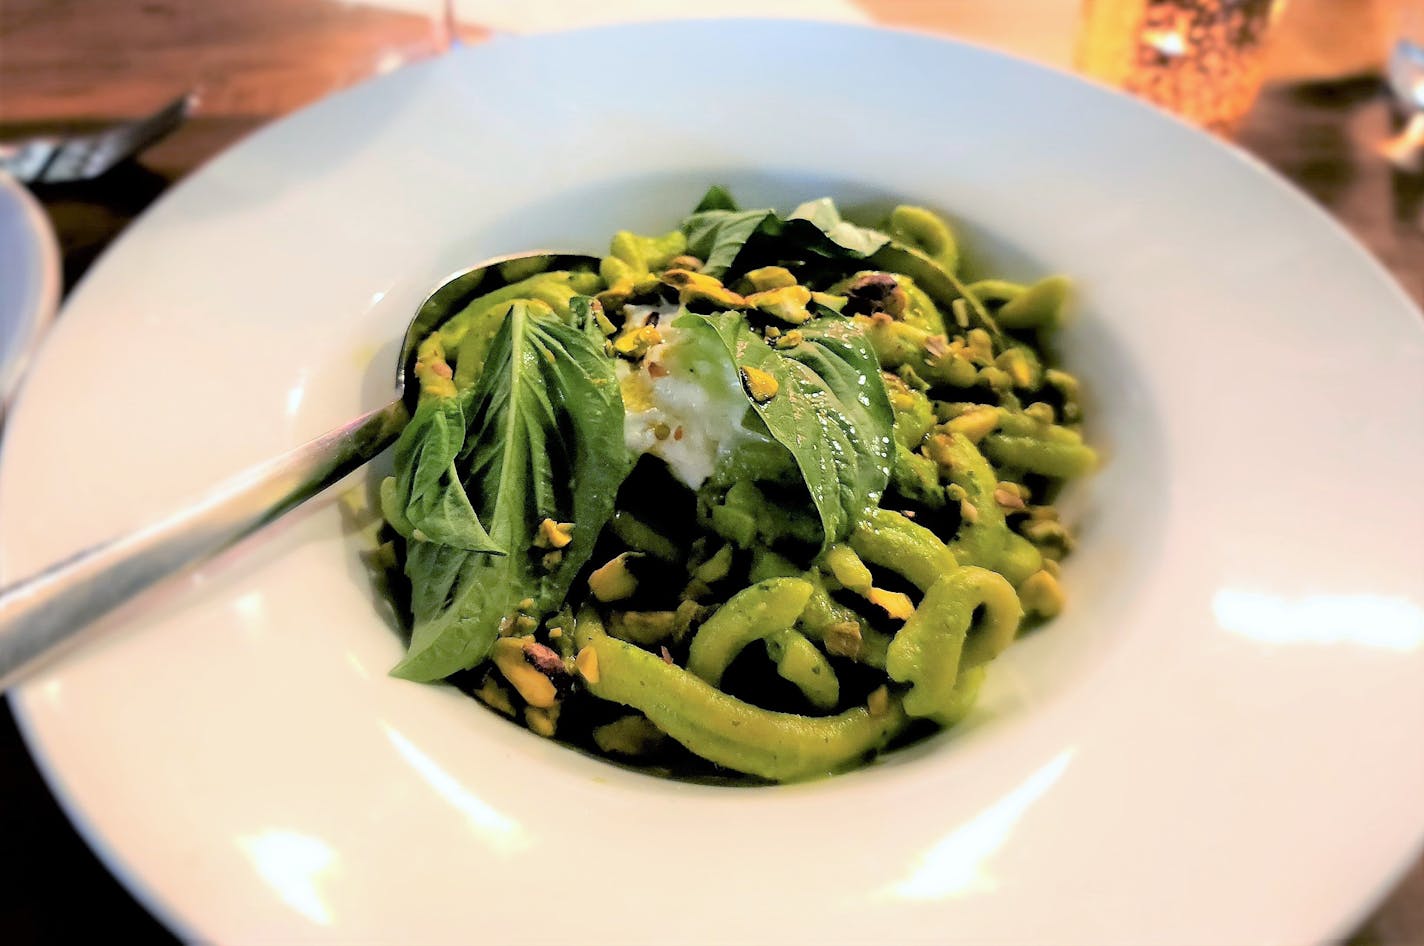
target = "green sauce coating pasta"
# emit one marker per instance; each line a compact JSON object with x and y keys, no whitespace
{"x":753,"y":613}
{"x":890,"y":540}
{"x":984,"y":537}
{"x":860,"y":474}
{"x":931,"y":649}
{"x":801,"y":662}
{"x":781,"y":747}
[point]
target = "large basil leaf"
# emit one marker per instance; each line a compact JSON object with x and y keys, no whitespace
{"x":545,"y":441}
{"x":830,"y":410}
{"x":815,"y":235}
{"x":858,"y":242}
{"x":425,"y":500}
{"x":718,"y":236}
{"x":814,"y":232}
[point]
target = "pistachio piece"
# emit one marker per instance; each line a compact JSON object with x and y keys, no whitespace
{"x":613,"y":581}
{"x":787,"y":303}
{"x":697,"y":287}
{"x":760,"y":386}
{"x":770,"y":277}
{"x":535,"y":671}
{"x":871,"y":293}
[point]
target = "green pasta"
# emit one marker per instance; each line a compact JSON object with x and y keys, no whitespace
{"x":832,"y":443}
{"x":763,"y":609}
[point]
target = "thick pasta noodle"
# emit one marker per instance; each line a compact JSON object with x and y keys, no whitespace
{"x":754,"y":499}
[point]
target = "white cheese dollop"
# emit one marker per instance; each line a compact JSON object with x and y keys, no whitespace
{"x":683,"y":403}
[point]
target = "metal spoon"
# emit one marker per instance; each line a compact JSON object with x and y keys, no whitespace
{"x":43,"y":612}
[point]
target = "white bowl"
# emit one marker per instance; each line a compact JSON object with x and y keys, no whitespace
{"x":29,"y":280}
{"x":1218,"y":742}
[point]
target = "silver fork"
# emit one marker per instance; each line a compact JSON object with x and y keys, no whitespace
{"x":65,"y":160}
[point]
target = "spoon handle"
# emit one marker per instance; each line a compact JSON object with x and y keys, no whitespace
{"x":43,"y":612}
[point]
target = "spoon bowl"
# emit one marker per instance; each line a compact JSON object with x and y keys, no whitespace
{"x":43,"y":614}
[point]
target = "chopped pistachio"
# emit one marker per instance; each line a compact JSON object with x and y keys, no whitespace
{"x":536,"y":688}
{"x":553,"y":535}
{"x":685,"y":261}
{"x":1016,"y":363}
{"x":688,"y":613}
{"x":1009,"y":496}
{"x":843,"y":638}
{"x":873,"y":293}
{"x":979,"y":347}
{"x":878,"y":703}
{"x":586,"y":663}
{"x":895,"y":603}
{"x":613,"y":581}
{"x":770,"y":277}
{"x":495,"y":696}
{"x":959,"y":308}
{"x":760,"y":386}
{"x":996,"y":378}
{"x":635,"y":342}
{"x":976,"y":424}
{"x":541,"y":720}
{"x":787,"y":303}
{"x":698,"y":287}
{"x":1041,"y":594}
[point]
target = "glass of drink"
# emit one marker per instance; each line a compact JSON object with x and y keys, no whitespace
{"x":1202,"y":59}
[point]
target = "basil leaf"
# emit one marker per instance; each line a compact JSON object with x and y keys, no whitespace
{"x":830,"y":410}
{"x":425,"y":500}
{"x":718,"y":236}
{"x":716,"y":198}
{"x":860,"y":242}
{"x":545,"y":441}
{"x":813,"y":232}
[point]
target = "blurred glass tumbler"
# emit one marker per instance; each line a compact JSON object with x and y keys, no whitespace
{"x":1202,"y":59}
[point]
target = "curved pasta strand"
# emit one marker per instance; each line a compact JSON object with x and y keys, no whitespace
{"x":777,"y":746}
{"x":1029,"y":443}
{"x":935,"y":645}
{"x":927,"y":232}
{"x":751,"y":614}
{"x":892,"y":541}
{"x":1038,"y":306}
{"x":802,"y":663}
{"x":984,"y":537}
{"x":1047,"y":457}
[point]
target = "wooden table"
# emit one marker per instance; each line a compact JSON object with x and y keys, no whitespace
{"x":80,"y":64}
